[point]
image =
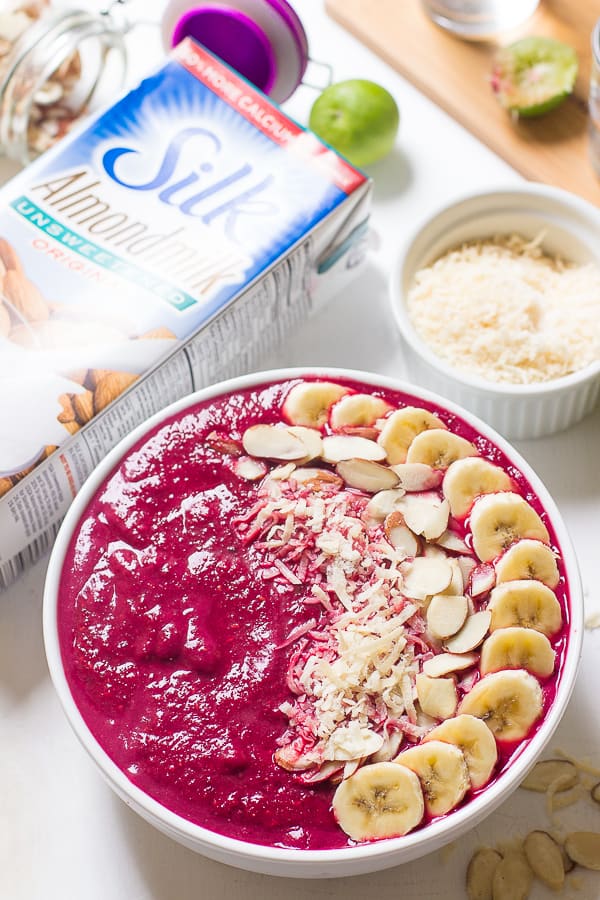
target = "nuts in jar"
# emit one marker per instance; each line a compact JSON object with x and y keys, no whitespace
{"x":37,"y":108}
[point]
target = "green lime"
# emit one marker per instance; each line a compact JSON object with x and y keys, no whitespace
{"x":534,"y":75}
{"x":358,"y":118}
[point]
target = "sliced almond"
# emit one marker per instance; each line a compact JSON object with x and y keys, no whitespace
{"x":471,"y":634}
{"x":311,"y":439}
{"x":595,"y":793}
{"x":426,"y":576}
{"x":272,"y":442}
{"x":318,"y":479}
{"x":456,"y":586}
{"x":583,"y":847}
{"x":480,"y":873}
{"x":445,"y":663}
{"x":366,"y":475}
{"x":49,"y":93}
{"x":568,"y":863}
{"x":248,"y":468}
{"x":449,"y":540}
{"x":512,"y":878}
{"x":446,"y":614}
{"x":400,"y":536}
{"x":437,"y":696}
{"x":282,"y":473}
{"x":560,"y":774}
{"x":545,"y":858}
{"x":384,"y":503}
{"x":418,"y":476}
{"x":466,"y":565}
{"x":481,"y":580}
{"x":426,"y":514}
{"x":342,"y":446}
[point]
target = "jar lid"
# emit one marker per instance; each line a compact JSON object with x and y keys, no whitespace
{"x":262,"y":39}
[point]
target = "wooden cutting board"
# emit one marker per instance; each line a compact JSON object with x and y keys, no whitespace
{"x":455,"y":74}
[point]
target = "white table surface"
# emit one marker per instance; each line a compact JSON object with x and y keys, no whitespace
{"x":63,"y":834}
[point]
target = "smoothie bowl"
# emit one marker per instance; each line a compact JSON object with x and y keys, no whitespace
{"x":313,"y":623}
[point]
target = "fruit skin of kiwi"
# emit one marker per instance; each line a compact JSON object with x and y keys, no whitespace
{"x":533,"y":76}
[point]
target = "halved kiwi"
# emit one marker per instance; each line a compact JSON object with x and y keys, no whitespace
{"x":534,"y":75}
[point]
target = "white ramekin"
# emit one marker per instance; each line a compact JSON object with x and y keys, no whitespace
{"x":316,"y":863}
{"x":571,"y":229}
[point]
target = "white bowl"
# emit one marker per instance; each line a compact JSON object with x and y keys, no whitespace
{"x":316,"y":863}
{"x":571,"y":229}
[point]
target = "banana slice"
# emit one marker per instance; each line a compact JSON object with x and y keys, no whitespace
{"x":517,"y":648}
{"x":379,"y":801}
{"x":467,"y":478}
{"x":508,"y":702}
{"x":442,"y":771}
{"x":401,"y":428}
{"x":357,"y":409}
{"x":309,"y":403}
{"x":526,"y":603}
{"x":528,"y":559}
{"x":439,"y":448}
{"x":437,"y":696}
{"x":498,"y":520}
{"x":475,"y":740}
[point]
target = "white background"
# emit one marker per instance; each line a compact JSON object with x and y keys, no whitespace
{"x":63,"y":834}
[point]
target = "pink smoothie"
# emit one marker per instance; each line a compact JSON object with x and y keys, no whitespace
{"x":173,"y":642}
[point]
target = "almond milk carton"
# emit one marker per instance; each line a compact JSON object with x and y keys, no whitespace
{"x":167,"y":244}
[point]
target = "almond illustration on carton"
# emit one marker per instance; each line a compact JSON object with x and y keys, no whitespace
{"x":109,"y":388}
{"x":83,"y":405}
{"x":78,"y":375}
{"x":94,"y":376}
{"x":68,"y":413}
{"x":5,"y":486}
{"x":4,"y":320}
{"x":160,"y":333}
{"x":9,"y":257}
{"x":24,"y":297}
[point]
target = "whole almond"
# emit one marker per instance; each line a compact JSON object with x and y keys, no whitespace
{"x":24,"y":296}
{"x":109,"y":388}
{"x":158,"y":334}
{"x":83,"y":404}
{"x":72,"y":427}
{"x":9,"y":257}
{"x":68,"y":413}
{"x":4,"y":320}
{"x":5,"y":486}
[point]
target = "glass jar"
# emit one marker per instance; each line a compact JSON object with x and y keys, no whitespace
{"x":56,"y":65}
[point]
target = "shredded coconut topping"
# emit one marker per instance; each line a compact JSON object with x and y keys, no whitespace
{"x":352,"y":669}
{"x":506,"y":311}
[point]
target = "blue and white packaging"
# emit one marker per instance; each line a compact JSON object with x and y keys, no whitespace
{"x":168,"y":243}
